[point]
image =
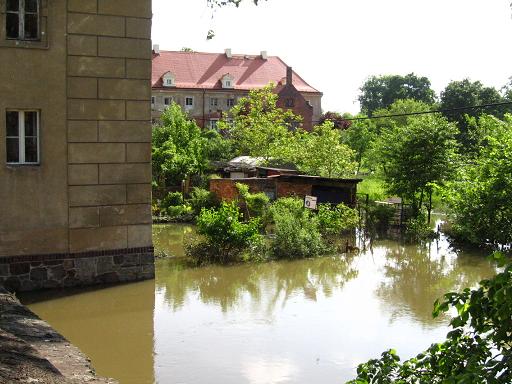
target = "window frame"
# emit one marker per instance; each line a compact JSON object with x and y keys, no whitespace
{"x":214,"y":101}
{"x":212,"y":123}
{"x":21,"y":21}
{"x":230,"y":102}
{"x":186,"y":102}
{"x":168,"y":100}
{"x":22,"y":137}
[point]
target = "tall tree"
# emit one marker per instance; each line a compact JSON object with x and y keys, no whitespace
{"x":466,"y":93}
{"x":178,"y":150}
{"x":481,"y":195}
{"x":379,"y":92}
{"x":256,"y":125}
{"x":417,"y":156}
{"x":337,"y":119}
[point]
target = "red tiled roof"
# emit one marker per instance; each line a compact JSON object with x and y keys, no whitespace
{"x":205,"y":70}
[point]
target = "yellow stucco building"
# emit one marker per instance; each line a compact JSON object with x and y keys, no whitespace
{"x":75,"y":142}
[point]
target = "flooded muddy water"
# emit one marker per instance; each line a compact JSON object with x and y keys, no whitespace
{"x":300,"y":321}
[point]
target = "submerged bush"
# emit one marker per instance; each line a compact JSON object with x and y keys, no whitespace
{"x":256,"y":203}
{"x":172,"y":199}
{"x":201,"y":198}
{"x":418,"y":230}
{"x":334,"y":220}
{"x":379,"y":216}
{"x":296,"y":230}
{"x":226,"y":236}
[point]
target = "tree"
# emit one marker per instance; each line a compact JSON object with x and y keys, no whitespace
{"x":379,"y":92}
{"x":320,"y":152}
{"x":256,"y":125}
{"x":417,"y":156}
{"x":178,"y":150}
{"x":481,"y":196}
{"x":360,"y":137}
{"x":337,"y":119}
{"x":466,"y":93}
{"x":476,"y":350}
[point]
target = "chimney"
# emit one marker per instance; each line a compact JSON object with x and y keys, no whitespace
{"x":228,"y":53}
{"x":289,"y":74}
{"x":156,"y":49}
{"x":264,"y":55}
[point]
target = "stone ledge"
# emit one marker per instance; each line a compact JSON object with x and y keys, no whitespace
{"x":33,"y":352}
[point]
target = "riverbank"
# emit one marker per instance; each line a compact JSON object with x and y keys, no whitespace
{"x":32,"y":352}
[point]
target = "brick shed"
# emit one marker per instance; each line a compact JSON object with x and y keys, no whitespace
{"x":327,"y":190}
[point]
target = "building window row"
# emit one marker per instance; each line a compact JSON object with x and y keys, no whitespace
{"x":22,"y":137}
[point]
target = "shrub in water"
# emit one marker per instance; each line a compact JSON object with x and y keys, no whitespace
{"x":225,"y":235}
{"x":334,"y":220}
{"x":201,"y":198}
{"x":296,"y":230}
{"x":172,"y":199}
{"x":256,"y":203}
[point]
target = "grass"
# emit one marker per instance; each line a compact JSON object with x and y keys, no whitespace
{"x":373,"y":187}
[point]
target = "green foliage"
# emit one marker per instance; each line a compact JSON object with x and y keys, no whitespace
{"x":334,"y":220}
{"x":379,"y":216}
{"x":178,"y":148}
{"x":374,"y":187}
{"x":379,"y":92}
{"x":418,"y":230}
{"x":320,"y":152}
{"x":172,"y":199}
{"x":201,"y":198}
{"x":218,"y":148}
{"x":296,"y":231}
{"x":226,"y":236}
{"x":256,"y":203}
{"x":417,"y":156}
{"x":476,"y":350}
{"x":257,"y":125}
{"x":481,"y":196}
{"x":360,"y":137}
{"x":466,"y":93}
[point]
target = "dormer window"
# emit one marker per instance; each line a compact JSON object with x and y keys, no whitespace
{"x":169,"y":80}
{"x":22,"y":19}
{"x":227,"y":81}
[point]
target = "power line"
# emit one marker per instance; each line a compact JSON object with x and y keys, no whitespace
{"x":503,"y":103}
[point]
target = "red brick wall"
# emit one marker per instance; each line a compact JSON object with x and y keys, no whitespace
{"x":285,"y":189}
{"x":225,"y":189}
{"x":301,"y":106}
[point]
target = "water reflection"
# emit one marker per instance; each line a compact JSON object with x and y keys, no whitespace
{"x":168,"y":239}
{"x":228,"y":286}
{"x":301,"y":321}
{"x":416,"y":275}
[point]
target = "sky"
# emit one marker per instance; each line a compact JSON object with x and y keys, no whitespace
{"x":335,"y":45}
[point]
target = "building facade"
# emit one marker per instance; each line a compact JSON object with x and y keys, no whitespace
{"x":75,"y":142}
{"x":207,"y":85}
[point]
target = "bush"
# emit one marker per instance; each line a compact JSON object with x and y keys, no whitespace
{"x":334,"y":220}
{"x":379,"y":216}
{"x":226,"y":237}
{"x":201,"y":198}
{"x":296,"y":232}
{"x":171,"y":199}
{"x":418,"y":230}
{"x":256,"y":203}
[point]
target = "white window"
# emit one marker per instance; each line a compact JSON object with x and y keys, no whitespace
{"x":227,"y":81}
{"x":213,"y":123}
{"x":22,"y":137}
{"x":22,"y":19}
{"x":152,"y":101}
{"x":230,"y":102}
{"x":169,"y":80}
{"x":167,"y":101}
{"x":189,"y":101}
{"x":214,"y":101}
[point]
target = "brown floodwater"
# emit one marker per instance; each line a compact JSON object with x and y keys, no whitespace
{"x":305,"y":321}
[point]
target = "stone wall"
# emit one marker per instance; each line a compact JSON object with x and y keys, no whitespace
{"x":26,"y":273}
